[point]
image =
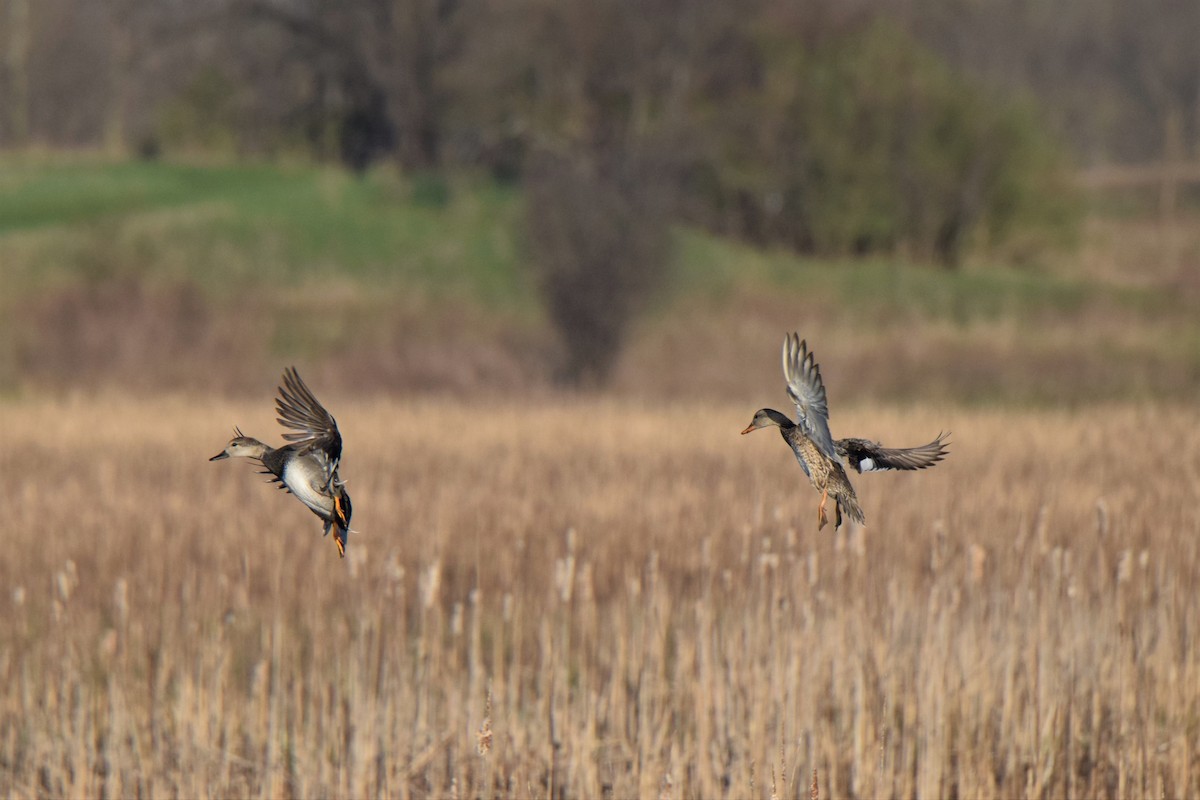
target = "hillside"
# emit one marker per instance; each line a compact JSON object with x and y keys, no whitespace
{"x":176,"y":276}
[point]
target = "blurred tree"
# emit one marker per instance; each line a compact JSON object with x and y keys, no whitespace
{"x":599,"y":240}
{"x":594,"y":75}
{"x":363,"y":79}
{"x":203,"y":117}
{"x":596,"y":93}
{"x":374,"y":71}
{"x":17,"y":62}
{"x":823,"y":127}
{"x":1156,"y":55}
{"x":1098,"y":67}
{"x":861,"y":141}
{"x":588,"y":102}
{"x":122,"y":30}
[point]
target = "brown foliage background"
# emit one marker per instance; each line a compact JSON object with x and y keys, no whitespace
{"x":597,"y":598}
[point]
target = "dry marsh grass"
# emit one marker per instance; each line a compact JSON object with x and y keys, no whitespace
{"x":598,"y":599}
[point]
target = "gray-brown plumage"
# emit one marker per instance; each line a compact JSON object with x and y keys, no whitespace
{"x":867,"y":456}
{"x":308,"y":466}
{"x":819,"y":455}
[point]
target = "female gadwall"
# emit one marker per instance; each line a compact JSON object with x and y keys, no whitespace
{"x":819,"y":455}
{"x":308,"y":467}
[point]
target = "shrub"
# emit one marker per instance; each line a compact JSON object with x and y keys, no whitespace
{"x":599,"y":242}
{"x":203,"y":117}
{"x":866,"y":142}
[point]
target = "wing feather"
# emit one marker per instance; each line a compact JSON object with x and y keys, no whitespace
{"x":868,"y":456}
{"x":299,"y":410}
{"x":807,"y":391}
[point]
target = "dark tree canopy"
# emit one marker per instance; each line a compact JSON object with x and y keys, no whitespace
{"x":923,"y":131}
{"x":599,"y":242}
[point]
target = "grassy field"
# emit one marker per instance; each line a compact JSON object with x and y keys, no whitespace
{"x":553,"y":594}
{"x":598,"y":599}
{"x":231,"y":229}
{"x":160,"y":276}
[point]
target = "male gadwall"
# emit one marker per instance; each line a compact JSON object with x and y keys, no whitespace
{"x":308,"y":467}
{"x":819,"y":455}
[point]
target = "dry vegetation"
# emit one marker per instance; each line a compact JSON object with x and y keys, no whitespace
{"x":598,"y":599}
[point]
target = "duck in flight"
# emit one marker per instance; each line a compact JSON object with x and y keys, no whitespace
{"x":820,"y":456}
{"x":308,"y":465}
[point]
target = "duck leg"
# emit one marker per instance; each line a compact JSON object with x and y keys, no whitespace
{"x":339,"y":538}
{"x":822,"y":520}
{"x":341,"y":510}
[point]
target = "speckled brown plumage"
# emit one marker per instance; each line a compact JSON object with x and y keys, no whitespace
{"x":819,"y":455}
{"x":826,"y":475}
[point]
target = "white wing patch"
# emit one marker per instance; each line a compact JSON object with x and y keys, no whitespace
{"x":868,"y":465}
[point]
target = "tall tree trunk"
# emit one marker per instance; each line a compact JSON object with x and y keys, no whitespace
{"x":116,"y":129}
{"x":1173,"y":156}
{"x":18,"y":70}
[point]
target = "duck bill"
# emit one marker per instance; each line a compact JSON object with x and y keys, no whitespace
{"x":219,"y":456}
{"x":749,"y":428}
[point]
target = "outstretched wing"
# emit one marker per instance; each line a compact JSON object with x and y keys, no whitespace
{"x":867,"y":456}
{"x":807,"y":391}
{"x":315,"y":427}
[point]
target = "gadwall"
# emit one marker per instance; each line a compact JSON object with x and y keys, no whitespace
{"x":308,"y":466}
{"x":819,"y":455}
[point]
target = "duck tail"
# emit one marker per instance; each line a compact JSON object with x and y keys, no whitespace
{"x":849,"y":504}
{"x":341,"y":522}
{"x":339,"y":538}
{"x":340,"y":534}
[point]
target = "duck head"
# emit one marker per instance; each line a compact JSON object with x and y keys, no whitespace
{"x":766,"y":417}
{"x":241,"y":447}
